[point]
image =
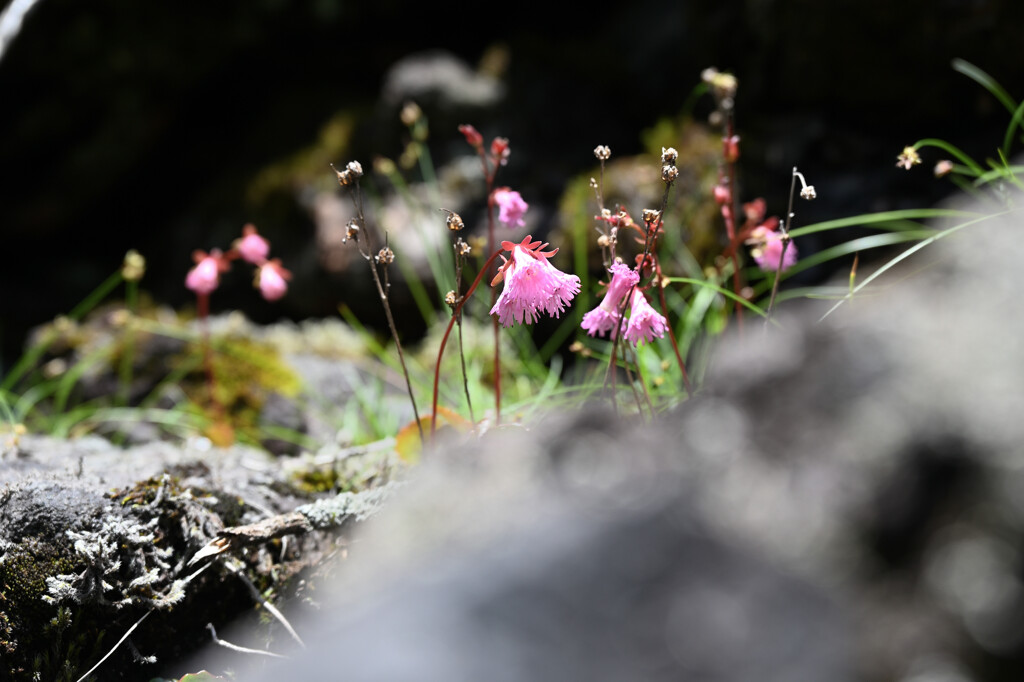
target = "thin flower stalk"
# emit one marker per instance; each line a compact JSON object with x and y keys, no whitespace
{"x":444,"y":339}
{"x":807,"y":192}
{"x":381,"y":259}
{"x":462,"y":250}
{"x":652,"y":222}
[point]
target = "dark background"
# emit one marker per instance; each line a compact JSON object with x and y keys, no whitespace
{"x":130,"y":124}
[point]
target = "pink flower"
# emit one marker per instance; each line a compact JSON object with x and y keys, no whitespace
{"x":767,"y":249}
{"x":272,"y":279}
{"x":511,"y":207}
{"x":645,"y":323}
{"x":532,"y":285}
{"x":205,"y":276}
{"x":604,"y":317}
{"x":252,"y":247}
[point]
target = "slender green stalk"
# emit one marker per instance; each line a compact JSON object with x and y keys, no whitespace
{"x":124,"y":374}
{"x":32,"y":355}
{"x":448,"y":330}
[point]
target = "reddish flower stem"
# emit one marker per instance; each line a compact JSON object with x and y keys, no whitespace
{"x":448,"y":330}
{"x":203,"y":312}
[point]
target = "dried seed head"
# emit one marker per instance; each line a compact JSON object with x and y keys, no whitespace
{"x":453,"y":221}
{"x":669,"y":156}
{"x":355,"y":168}
{"x":450,"y":299}
{"x":603,"y":241}
{"x":808,"y":193}
{"x":410,"y":113}
{"x":943,"y":168}
{"x":386,"y":256}
{"x":134,"y":266}
{"x":669,"y":173}
{"x":352,"y":230}
{"x":344,"y":177}
{"x":651,"y":215}
{"x":602,"y":152}
{"x":462,"y":248}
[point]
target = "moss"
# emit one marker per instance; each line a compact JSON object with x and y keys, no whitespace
{"x":246,"y":372}
{"x":26,"y":621}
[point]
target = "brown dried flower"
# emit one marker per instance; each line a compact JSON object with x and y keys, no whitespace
{"x":602,"y":152}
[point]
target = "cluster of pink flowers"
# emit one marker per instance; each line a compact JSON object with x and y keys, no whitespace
{"x":271,"y":277}
{"x":644,"y":324}
{"x":532,"y":284}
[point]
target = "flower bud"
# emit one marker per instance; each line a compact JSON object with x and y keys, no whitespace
{"x":252,"y":247}
{"x":722,"y":194}
{"x":731,"y":148}
{"x":473,"y":137}
{"x":271,"y":280}
{"x":134,"y":266}
{"x":500,"y":150}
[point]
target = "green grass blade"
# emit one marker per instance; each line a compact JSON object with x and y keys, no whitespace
{"x":879,"y":220}
{"x":911,"y":251}
{"x":955,"y":151}
{"x":725,"y":292}
{"x":986,"y":81}
{"x":1014,"y":123}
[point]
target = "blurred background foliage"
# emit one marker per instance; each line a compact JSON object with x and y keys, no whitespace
{"x":165,"y":127}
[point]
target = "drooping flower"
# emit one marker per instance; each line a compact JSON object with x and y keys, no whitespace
{"x":511,"y":207}
{"x":532,"y":284}
{"x":645,"y":323}
{"x":604,"y":317}
{"x":767,"y":248}
{"x":205,"y":276}
{"x":252,"y":247}
{"x":271,"y":279}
